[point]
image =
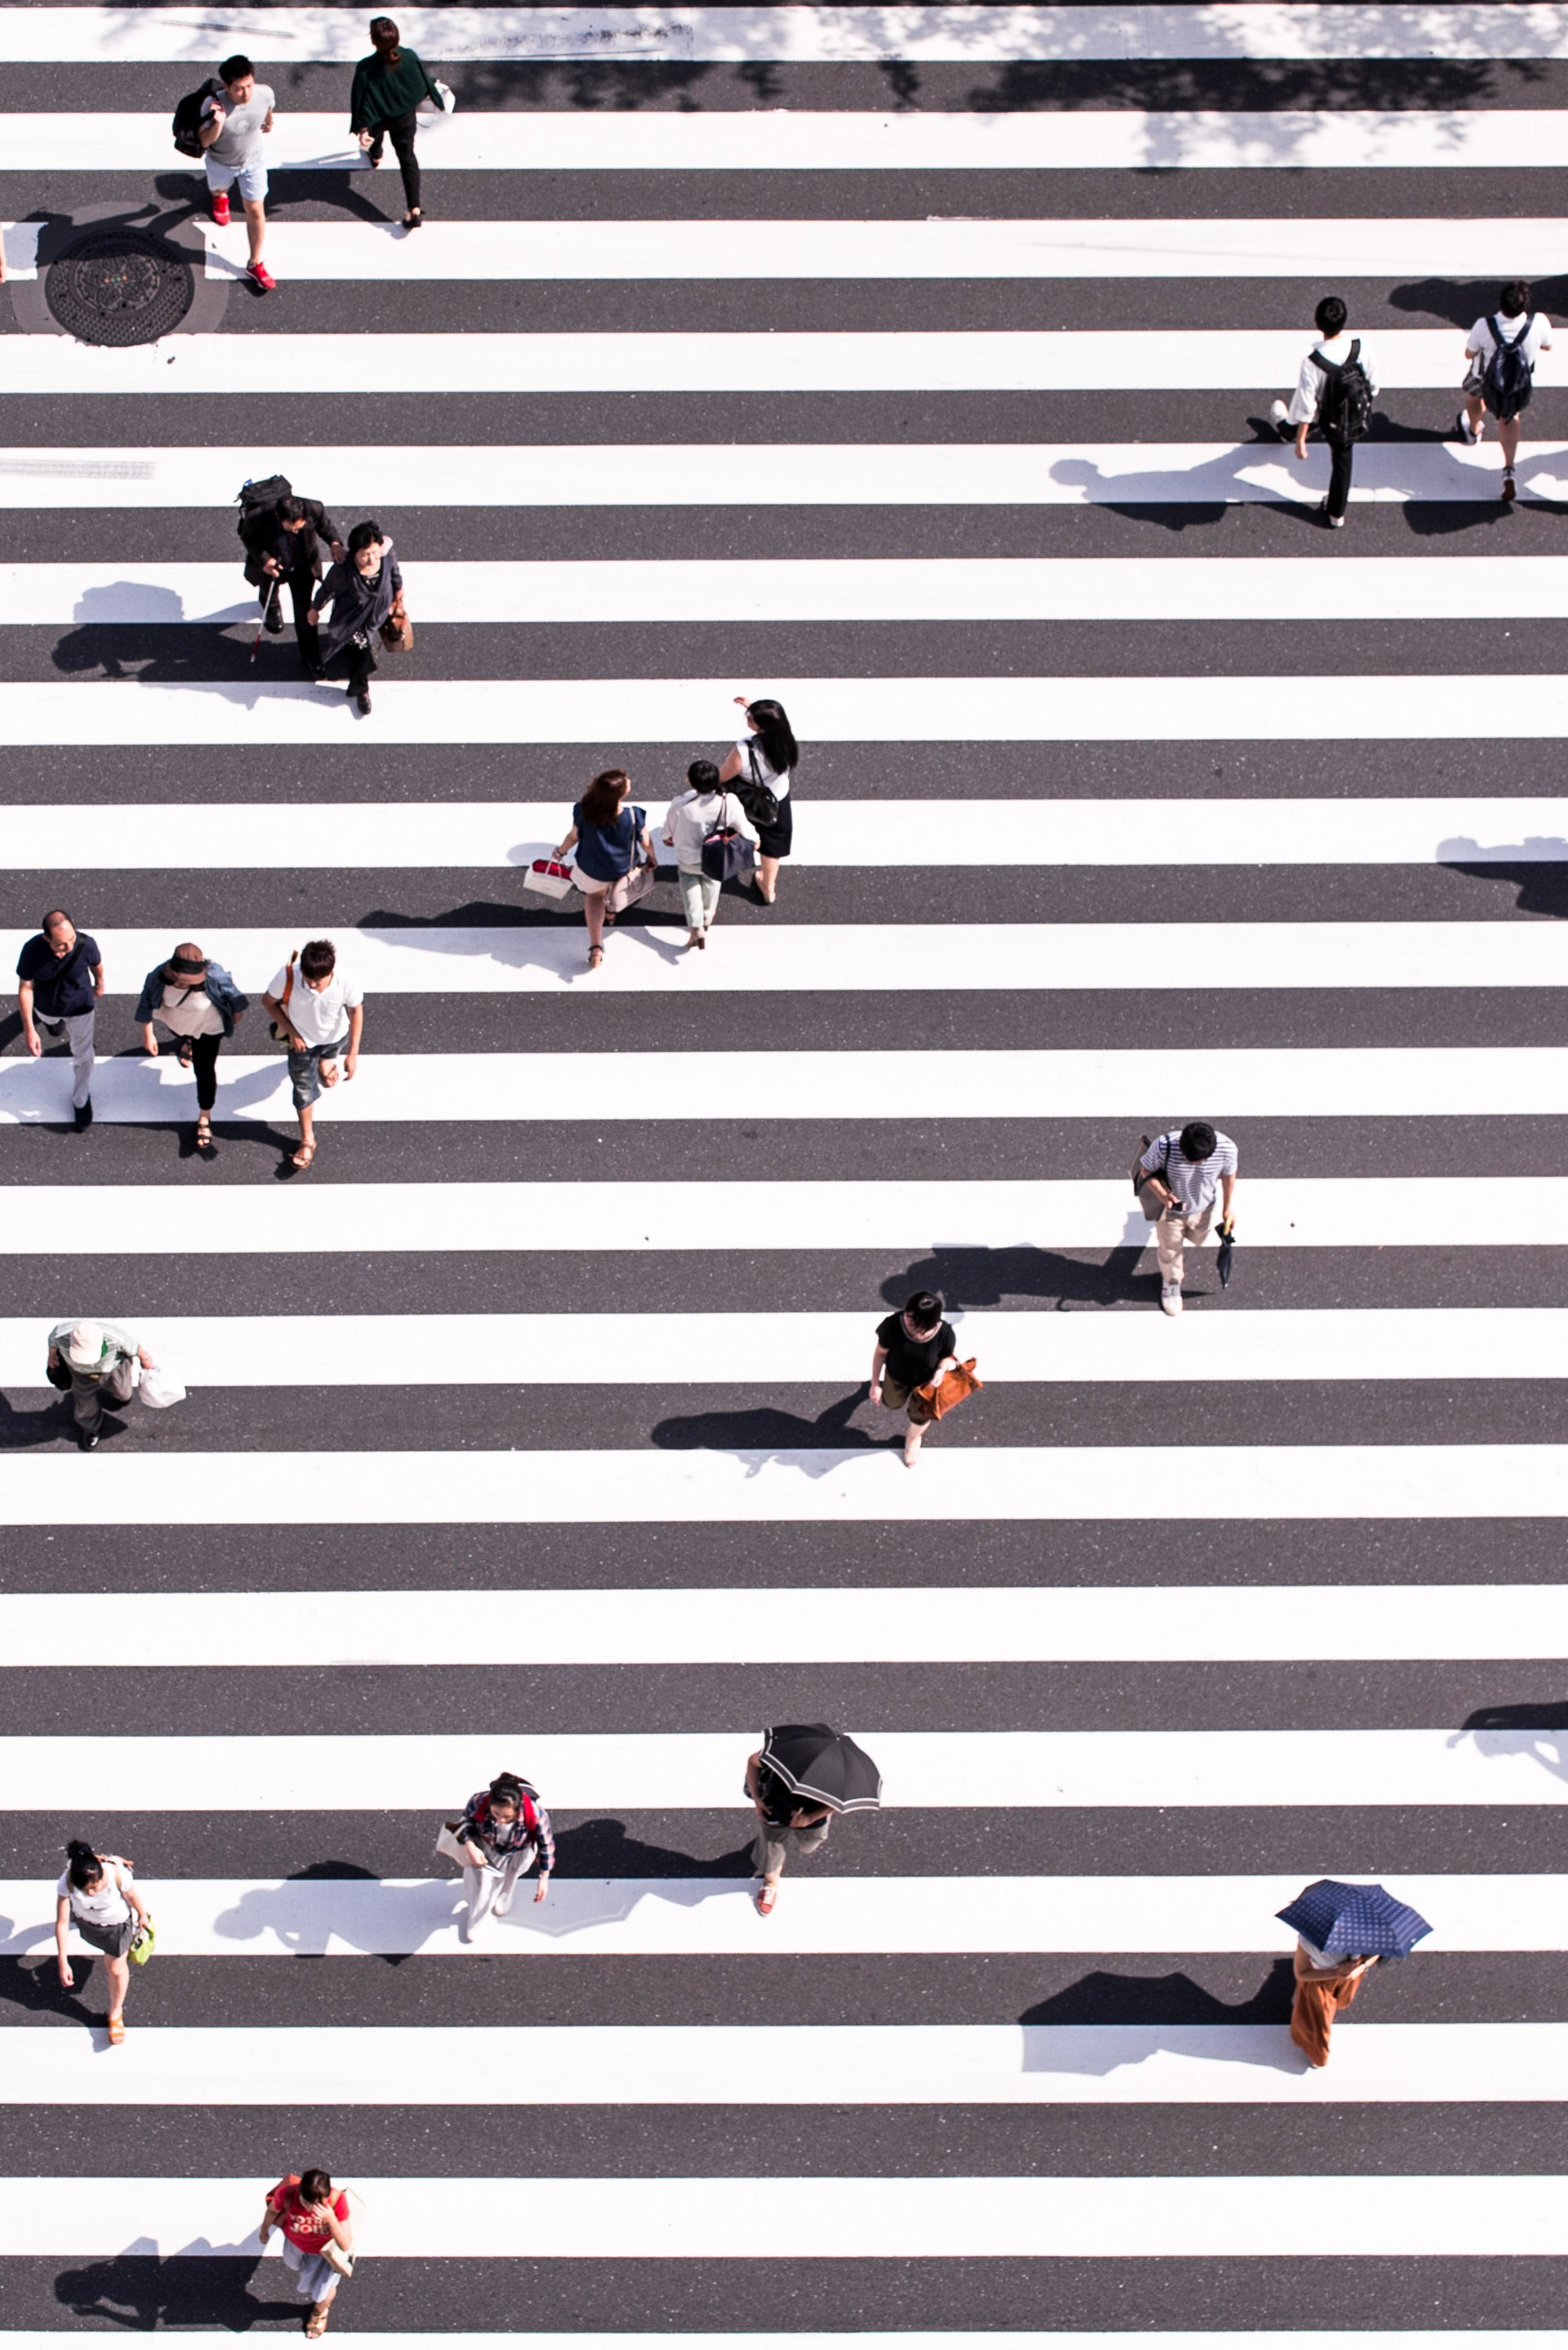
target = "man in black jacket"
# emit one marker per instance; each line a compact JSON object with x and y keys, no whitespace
{"x":286,"y":542}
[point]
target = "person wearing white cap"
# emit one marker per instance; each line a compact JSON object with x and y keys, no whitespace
{"x":94,"y":1360}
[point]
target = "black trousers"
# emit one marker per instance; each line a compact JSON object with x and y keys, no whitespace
{"x":301,"y":584}
{"x":204,"y":1062}
{"x":356,"y":663}
{"x":400,"y":130}
{"x":1340,"y":459}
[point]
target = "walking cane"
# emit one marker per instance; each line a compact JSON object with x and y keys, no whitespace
{"x":267,"y":609}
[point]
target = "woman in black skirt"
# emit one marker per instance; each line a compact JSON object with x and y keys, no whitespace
{"x":766,"y":757}
{"x":97,"y":1894}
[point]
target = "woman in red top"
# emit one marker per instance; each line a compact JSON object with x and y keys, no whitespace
{"x":311,"y":2215}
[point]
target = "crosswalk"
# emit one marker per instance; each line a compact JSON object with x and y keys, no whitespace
{"x":909,"y":363}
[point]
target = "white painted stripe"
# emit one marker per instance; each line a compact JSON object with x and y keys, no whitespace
{"x":218,"y":2067}
{"x":752,"y":473}
{"x":508,"y":250}
{"x":843,"y":588}
{"x":824,"y":35}
{"x":685,"y":1917}
{"x":771,"y":1351}
{"x":1348,"y":2214}
{"x":806,"y":958}
{"x":784,"y":139}
{"x":1046,"y":1770}
{"x":176,"y":1220}
{"x":1025,"y":359}
{"x":985,"y":1623}
{"x":434,"y":1088}
{"x":420,"y":836}
{"x":777,"y":1484}
{"x":1522,"y":709}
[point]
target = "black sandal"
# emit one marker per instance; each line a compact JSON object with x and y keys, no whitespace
{"x":185,"y":1051}
{"x":414,"y":217}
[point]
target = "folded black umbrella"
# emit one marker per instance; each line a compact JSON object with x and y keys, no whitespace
{"x":823,"y":1766}
{"x":1227,"y":1251}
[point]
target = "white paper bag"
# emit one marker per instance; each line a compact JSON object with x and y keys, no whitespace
{"x":159,"y":1388}
{"x":447,"y":1847}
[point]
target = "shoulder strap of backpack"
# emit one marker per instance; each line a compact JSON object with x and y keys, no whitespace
{"x":1354,"y":359}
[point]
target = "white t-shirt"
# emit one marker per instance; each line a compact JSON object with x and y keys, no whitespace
{"x":189,"y":1011}
{"x":321,"y":1018}
{"x":1335,"y":349}
{"x":1480,"y":342}
{"x":689,"y":819}
{"x":778,"y":784}
{"x":106,"y":1905}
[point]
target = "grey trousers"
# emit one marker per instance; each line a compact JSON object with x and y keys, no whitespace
{"x":77,"y":1027}
{"x":772,"y":1846}
{"x":88,"y":1391}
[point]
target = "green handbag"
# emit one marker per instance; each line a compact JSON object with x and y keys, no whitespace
{"x":146,"y":1943}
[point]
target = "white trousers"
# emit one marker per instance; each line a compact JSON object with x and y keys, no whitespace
{"x":492,"y":1889}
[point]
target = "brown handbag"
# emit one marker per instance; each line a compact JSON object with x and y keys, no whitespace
{"x":955,"y":1387}
{"x":398,"y":633}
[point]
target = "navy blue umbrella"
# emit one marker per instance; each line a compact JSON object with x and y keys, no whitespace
{"x":1359,"y":1919}
{"x":1227,"y":1251}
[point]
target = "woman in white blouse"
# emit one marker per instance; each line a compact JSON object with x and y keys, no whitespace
{"x":97,"y":1894}
{"x":688,"y":821}
{"x":764,"y":759}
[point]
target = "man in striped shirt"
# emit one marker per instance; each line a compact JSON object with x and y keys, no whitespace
{"x":1186,"y":1171}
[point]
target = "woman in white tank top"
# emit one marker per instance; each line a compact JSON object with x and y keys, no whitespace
{"x":97,"y":1895}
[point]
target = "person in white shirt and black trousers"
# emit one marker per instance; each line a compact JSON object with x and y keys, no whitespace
{"x":1330,"y":396}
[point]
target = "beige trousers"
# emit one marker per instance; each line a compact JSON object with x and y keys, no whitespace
{"x":1173,"y":1231}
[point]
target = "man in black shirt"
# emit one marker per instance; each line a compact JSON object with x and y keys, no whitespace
{"x":285,"y":542}
{"x":61,"y":975}
{"x":913,"y":1347}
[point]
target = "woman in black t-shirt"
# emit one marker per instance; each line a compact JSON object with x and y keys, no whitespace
{"x":913,"y":1347}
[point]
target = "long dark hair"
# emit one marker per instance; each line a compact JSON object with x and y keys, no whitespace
{"x":601,"y":802}
{"x":384,"y":37}
{"x":779,"y":746}
{"x":315,"y":2187}
{"x":83,"y":1864}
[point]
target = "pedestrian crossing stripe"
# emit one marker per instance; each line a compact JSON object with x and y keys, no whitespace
{"x":927,"y":1624}
{"x":1261,"y":360}
{"x":168,"y":1218}
{"x":1299,"y":2215}
{"x":1324,"y":1081}
{"x":786,"y":473}
{"x":1109,"y":1770}
{"x":1518,"y":707}
{"x":783,"y":2064}
{"x":772,"y":1351}
{"x":979,"y":958}
{"x":880,"y":834}
{"x":825,"y":250}
{"x":838,"y":35}
{"x":741,"y":590}
{"x":823,"y":1916}
{"x":784,"y":1484}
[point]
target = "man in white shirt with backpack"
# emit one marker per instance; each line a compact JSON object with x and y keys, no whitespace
{"x":1500,"y":353}
{"x":1335,"y":390}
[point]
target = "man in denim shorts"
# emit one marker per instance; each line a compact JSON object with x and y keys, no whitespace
{"x":233,"y":127}
{"x":319,"y":1010}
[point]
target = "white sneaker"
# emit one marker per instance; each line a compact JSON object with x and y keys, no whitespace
{"x":1467,"y":430}
{"x":1170,"y":1296}
{"x":502,"y":1903}
{"x":1280,"y":417}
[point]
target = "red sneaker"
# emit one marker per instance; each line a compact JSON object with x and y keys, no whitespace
{"x":262,"y":275}
{"x":220,"y":212}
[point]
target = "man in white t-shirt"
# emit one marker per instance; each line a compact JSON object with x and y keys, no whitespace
{"x":319,"y":1009}
{"x":233,"y":125}
{"x":1500,"y":353}
{"x":1185,"y":1172}
{"x":1321,"y":400}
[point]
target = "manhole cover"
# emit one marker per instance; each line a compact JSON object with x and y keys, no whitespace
{"x":119,"y":287}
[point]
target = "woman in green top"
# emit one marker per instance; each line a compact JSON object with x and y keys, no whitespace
{"x":387,"y":86}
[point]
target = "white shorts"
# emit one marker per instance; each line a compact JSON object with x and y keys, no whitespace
{"x":252,"y":176}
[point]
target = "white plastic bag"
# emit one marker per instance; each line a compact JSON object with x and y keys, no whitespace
{"x":159,"y":1388}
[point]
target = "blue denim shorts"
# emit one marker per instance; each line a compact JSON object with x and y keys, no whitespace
{"x":304,"y":1069}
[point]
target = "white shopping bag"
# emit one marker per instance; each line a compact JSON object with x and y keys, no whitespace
{"x":159,"y":1388}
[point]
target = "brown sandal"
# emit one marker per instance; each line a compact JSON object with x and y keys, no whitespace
{"x":303,"y":1156}
{"x":116,"y":2029}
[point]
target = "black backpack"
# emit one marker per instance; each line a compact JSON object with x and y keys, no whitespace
{"x":754,"y":796}
{"x":1507,"y":375}
{"x":259,"y":497}
{"x":185,"y":128}
{"x":1344,"y":407}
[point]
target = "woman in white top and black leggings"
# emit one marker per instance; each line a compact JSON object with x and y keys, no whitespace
{"x":766,"y":756}
{"x":97,"y":1894}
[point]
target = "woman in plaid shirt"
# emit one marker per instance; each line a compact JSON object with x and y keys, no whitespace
{"x":503,"y":1826}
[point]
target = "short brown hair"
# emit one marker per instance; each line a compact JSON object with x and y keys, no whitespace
{"x":318,"y":959}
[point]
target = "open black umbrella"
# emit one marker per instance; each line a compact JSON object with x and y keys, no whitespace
{"x":1227,"y":1251}
{"x":823,"y":1766}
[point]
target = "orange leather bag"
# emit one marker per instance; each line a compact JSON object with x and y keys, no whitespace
{"x":955,"y":1387}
